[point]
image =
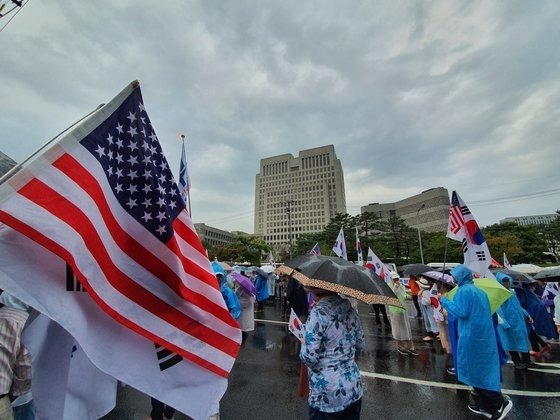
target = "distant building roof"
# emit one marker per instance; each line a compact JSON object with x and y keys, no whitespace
{"x":6,"y":163}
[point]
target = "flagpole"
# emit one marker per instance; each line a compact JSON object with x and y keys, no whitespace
{"x":189,"y":194}
{"x":16,"y":168}
{"x":445,"y":253}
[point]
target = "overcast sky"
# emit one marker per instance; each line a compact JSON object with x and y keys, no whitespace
{"x":412,"y":94}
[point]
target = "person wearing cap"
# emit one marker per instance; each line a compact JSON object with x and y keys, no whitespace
{"x":400,"y":327}
{"x":427,"y":310}
{"x":333,"y":336}
{"x":478,"y":362}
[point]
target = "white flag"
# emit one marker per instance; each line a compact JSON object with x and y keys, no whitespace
{"x":434,"y":300}
{"x":376,"y":265}
{"x":359,"y":249}
{"x":40,"y":279}
{"x":507,"y":265}
{"x":339,"y":247}
{"x":65,"y":384}
{"x":184,"y":181}
{"x":463,"y":227}
{"x":296,"y":327}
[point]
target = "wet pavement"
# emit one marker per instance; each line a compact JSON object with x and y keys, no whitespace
{"x":263,"y":382}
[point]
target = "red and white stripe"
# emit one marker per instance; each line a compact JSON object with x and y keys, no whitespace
{"x":165,"y":292}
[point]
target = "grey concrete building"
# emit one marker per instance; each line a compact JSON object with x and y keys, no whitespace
{"x":427,"y":211}
{"x":213,"y":236}
{"x":298,"y":195}
{"x":6,"y":163}
{"x":539,"y":219}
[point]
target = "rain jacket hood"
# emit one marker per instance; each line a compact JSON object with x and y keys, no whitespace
{"x":501,"y":277}
{"x":462,"y":274}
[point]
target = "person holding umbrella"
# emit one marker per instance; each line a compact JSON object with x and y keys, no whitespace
{"x":333,"y":335}
{"x":478,"y":362}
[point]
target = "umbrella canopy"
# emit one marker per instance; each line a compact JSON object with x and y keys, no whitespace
{"x":497,"y":294}
{"x":416,"y":269}
{"x":268,"y":268}
{"x":517,"y":276}
{"x":439,"y":276}
{"x":548,"y":274}
{"x":244,"y":282}
{"x":258,"y":271}
{"x":341,"y":276}
{"x":225,"y":266}
{"x":526,"y":268}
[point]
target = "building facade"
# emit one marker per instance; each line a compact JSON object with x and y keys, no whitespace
{"x":539,"y":219}
{"x":298,"y":195}
{"x":427,"y":211}
{"x":213,"y":236}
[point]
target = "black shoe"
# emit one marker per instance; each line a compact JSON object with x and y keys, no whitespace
{"x":504,"y":409}
{"x":474,"y":408}
{"x":451,"y":371}
{"x":413,"y":353}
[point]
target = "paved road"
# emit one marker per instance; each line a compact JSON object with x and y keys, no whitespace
{"x":263,"y":382}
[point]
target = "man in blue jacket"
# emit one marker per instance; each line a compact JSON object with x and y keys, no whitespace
{"x":478,"y":363}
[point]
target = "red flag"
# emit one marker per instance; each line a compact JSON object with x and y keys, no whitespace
{"x":103,"y":199}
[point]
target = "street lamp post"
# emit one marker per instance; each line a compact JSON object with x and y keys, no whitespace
{"x":288,"y":209}
{"x":418,"y":227}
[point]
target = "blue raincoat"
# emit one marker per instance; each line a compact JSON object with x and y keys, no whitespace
{"x":513,"y":330}
{"x":261,"y":284}
{"x":477,"y":350}
{"x":230,"y":298}
{"x":542,"y":321}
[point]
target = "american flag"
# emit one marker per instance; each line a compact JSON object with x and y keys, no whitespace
{"x":456,"y":216}
{"x":463,"y":228}
{"x":315,"y":250}
{"x":104,"y":199}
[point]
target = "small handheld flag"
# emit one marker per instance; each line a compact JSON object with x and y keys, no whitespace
{"x":296,"y":327}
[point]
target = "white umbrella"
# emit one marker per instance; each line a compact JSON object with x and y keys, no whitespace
{"x":268,"y":268}
{"x":526,"y":268}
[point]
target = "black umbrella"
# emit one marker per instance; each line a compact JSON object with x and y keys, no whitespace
{"x":517,"y":276}
{"x":338,"y":275}
{"x":548,"y":274}
{"x":416,"y":269}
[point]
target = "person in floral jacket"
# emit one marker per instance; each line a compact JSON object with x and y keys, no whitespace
{"x":333,"y":336}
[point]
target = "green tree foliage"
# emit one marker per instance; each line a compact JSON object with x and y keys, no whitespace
{"x":551,"y":234}
{"x":527,"y":244}
{"x":242,"y":249}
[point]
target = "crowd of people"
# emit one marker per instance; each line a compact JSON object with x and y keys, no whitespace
{"x":476,"y":337}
